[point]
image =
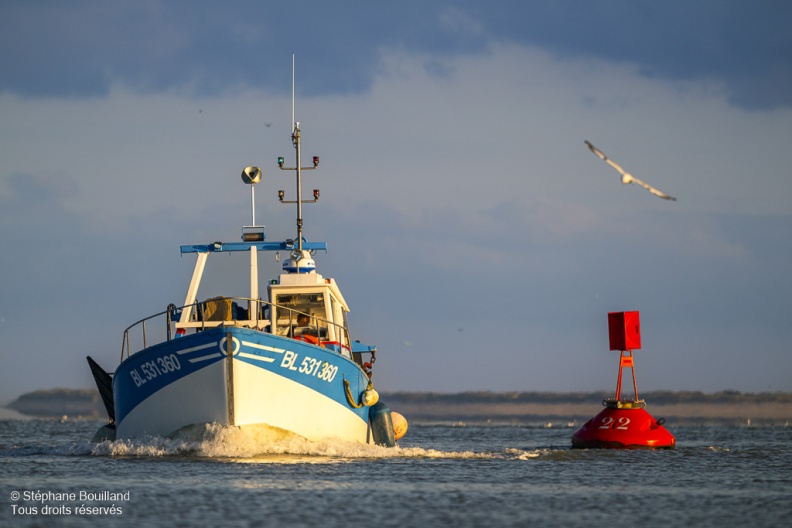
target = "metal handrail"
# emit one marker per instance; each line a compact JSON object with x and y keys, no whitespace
{"x":341,"y":330}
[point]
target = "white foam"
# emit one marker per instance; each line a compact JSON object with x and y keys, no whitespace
{"x":261,"y":444}
{"x":718,"y":449}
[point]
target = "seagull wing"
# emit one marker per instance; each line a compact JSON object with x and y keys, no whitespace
{"x":651,"y":189}
{"x":605,"y":158}
{"x":626,"y":176}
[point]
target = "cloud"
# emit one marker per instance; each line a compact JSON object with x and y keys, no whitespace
{"x":462,"y":200}
{"x":84,"y":49}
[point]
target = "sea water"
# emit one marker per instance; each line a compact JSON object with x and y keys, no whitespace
{"x":442,"y":474}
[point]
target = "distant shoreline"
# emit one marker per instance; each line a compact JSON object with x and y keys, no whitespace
{"x":770,"y":414}
{"x":682,"y":407}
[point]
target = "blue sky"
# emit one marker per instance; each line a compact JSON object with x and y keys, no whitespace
{"x":478,"y":242}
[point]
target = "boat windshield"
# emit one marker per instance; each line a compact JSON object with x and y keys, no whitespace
{"x":301,"y":314}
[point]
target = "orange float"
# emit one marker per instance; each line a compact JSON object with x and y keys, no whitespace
{"x":623,"y":423}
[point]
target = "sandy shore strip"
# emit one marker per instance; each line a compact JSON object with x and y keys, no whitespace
{"x":776,"y":413}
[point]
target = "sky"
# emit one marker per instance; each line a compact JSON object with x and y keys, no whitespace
{"x":479,"y":243}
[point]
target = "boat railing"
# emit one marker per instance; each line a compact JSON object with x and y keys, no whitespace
{"x":215,"y":312}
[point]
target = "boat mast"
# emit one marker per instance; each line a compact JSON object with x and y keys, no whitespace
{"x":298,"y":168}
{"x":296,"y":144}
{"x":252,"y":175}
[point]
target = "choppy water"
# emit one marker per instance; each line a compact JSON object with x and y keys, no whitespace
{"x":442,"y":474}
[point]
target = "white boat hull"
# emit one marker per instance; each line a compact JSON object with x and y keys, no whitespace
{"x":259,"y":379}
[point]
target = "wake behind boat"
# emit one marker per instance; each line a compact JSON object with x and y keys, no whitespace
{"x":287,"y":361}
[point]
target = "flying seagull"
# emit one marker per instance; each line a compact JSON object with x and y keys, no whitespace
{"x":626,"y":176}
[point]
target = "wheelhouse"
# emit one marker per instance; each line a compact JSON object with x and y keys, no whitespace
{"x":310,"y":305}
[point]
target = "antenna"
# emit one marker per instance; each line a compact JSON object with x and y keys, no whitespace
{"x":296,"y":143}
{"x":298,"y":168}
{"x":292,"y":121}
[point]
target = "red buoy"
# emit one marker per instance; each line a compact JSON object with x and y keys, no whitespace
{"x":623,"y":423}
{"x":628,"y":426}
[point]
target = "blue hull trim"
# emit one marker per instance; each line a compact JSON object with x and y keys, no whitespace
{"x":323,"y":371}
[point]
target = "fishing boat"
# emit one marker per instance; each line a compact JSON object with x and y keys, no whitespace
{"x":286,"y":361}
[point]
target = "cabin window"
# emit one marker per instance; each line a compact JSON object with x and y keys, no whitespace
{"x":301,"y":313}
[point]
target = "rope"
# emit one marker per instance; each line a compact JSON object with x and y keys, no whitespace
{"x":349,"y":397}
